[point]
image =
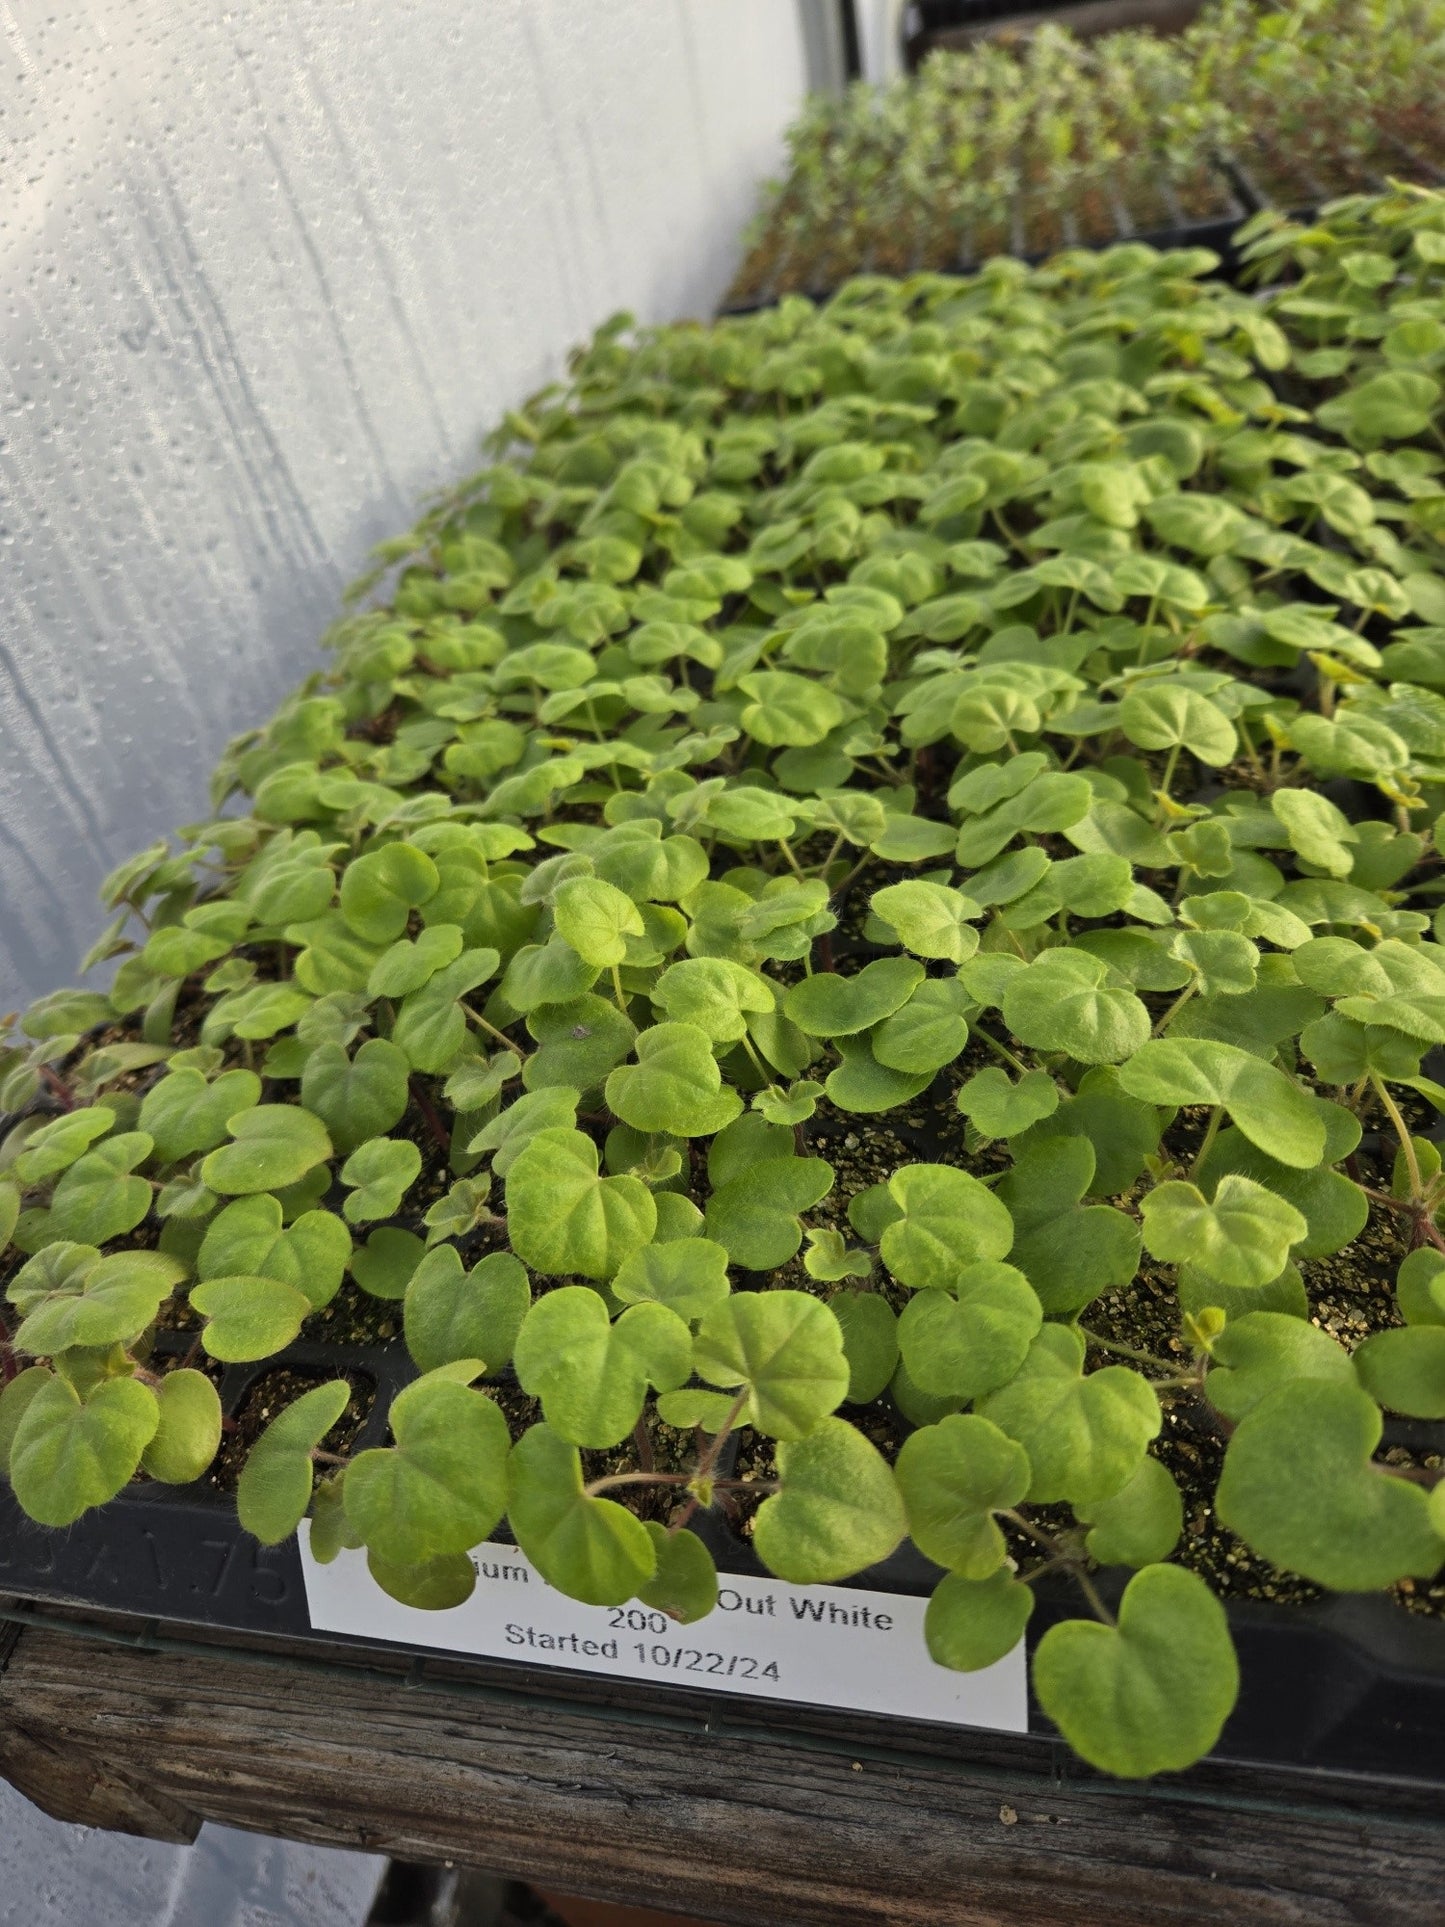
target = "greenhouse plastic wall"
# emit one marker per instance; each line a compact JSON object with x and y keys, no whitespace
{"x":266,"y":275}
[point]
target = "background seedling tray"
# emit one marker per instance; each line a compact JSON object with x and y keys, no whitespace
{"x":1216,"y":233}
{"x":1352,"y":1685}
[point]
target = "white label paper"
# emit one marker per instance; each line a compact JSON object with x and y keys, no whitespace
{"x":822,"y":1645}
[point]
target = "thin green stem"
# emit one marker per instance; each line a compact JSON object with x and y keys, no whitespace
{"x":1402,"y":1132}
{"x":1126,"y":1351}
{"x":1190,"y":989}
{"x":1211,"y":1132}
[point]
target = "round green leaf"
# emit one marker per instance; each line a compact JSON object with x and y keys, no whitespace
{"x":784,"y":1350}
{"x":1242,"y":1236}
{"x":596,"y":919}
{"x":713,"y":993}
{"x":358,"y":1097}
{"x":1085,"y":1436}
{"x":96,"y":1200}
{"x":688,"y":1275}
{"x":381,"y":1172}
{"x":249,"y":1318}
{"x":1257,"y":1353}
{"x":1271,"y":1109}
{"x":189,"y":1433}
{"x":1405,"y":1370}
{"x":563,"y":1217}
{"x":962,"y":1342}
{"x":870,"y":1342}
{"x":452,"y":1314}
{"x":247,"y":1238}
{"x":949,"y":1221}
{"x":442,"y":1486}
{"x":274,"y":1145}
{"x":973,"y":1623}
{"x":929,"y":919}
{"x":1298,"y":1484}
{"x":827,"y":1005}
{"x":1150,"y":1694}
{"x":675,"y":1086}
{"x":592,"y":1375}
{"x":999,"y":1107}
{"x":1163,"y":716}
{"x":186,"y":1114}
{"x":592,"y":1549}
{"x":1140,"y":1524}
{"x":433,"y":1585}
{"x":380,"y":890}
{"x":954,"y":1476}
{"x":754,"y":1215}
{"x":1063,"y":1001}
{"x":107,"y":1302}
{"x":69,"y":1454}
{"x":684,"y":1585}
{"x":839,"y":1509}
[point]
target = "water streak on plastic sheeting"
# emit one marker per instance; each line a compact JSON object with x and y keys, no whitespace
{"x":265,"y":276}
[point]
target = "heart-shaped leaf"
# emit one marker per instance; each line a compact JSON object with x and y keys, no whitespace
{"x":929,"y":919}
{"x":58,"y":1144}
{"x":381,"y":1172}
{"x":870,"y":1342}
{"x":274,"y":1489}
{"x":596,"y":919}
{"x":1405,"y":1370}
{"x":954,"y":1476}
{"x":973,"y":1623}
{"x":590,"y":1548}
{"x":358,"y":1097}
{"x":1257,"y":1353}
{"x":997,"y":1106}
{"x":246,"y":1238}
{"x":754,"y":1215}
{"x":562,"y":1216}
{"x":592,"y":1375}
{"x":684,"y":1585}
{"x":273,"y":1145}
{"x":97,"y":1200}
{"x":1299,"y":1486}
{"x":969,"y":1339}
{"x":1063,"y":1001}
{"x":1151,"y":1693}
{"x":948,"y":1222}
{"x":1085,"y":1436}
{"x":838,"y":1509}
{"x":1140,"y":1524}
{"x":442,"y":1486}
{"x":714,"y":994}
{"x":249,"y":1318}
{"x":185,"y":1113}
{"x":782,"y":1351}
{"x":452,"y":1314}
{"x":688,"y":1275}
{"x":827,"y":1005}
{"x":1070,"y":1253}
{"x":1241,"y":1236}
{"x":70,"y":1453}
{"x":675,"y":1085}
{"x":110,"y":1301}
{"x":380,"y":890}
{"x":1271,"y":1109}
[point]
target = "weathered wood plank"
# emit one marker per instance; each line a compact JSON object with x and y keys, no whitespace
{"x":735,"y":1828}
{"x":75,"y":1784}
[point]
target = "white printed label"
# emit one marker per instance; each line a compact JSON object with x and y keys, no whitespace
{"x":822,"y":1645}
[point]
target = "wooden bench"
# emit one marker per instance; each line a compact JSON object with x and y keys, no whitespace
{"x":679,"y":1800}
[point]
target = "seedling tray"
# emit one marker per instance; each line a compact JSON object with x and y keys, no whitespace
{"x":1351,"y":1686}
{"x":1216,"y":233}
